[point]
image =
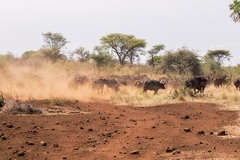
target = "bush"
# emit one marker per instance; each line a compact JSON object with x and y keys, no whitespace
{"x":16,"y":108}
{"x":56,"y":101}
{"x":2,"y":100}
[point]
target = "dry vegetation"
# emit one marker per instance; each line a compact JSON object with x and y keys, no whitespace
{"x":44,"y":80}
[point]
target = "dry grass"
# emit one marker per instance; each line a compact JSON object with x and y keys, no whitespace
{"x":227,"y":96}
{"x":43,"y":80}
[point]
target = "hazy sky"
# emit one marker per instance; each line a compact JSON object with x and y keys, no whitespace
{"x":197,"y":24}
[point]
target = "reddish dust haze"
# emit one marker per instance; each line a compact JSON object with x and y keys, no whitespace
{"x":24,"y":82}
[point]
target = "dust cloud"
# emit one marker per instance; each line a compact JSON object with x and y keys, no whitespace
{"x":43,"y":80}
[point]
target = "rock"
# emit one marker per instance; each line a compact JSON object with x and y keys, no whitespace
{"x":21,"y":153}
{"x":29,"y":143}
{"x":134,"y":152}
{"x":43,"y":143}
{"x":176,"y":152}
{"x":9,"y":126}
{"x":187,"y":129}
{"x":201,"y":132}
{"x":90,"y":129}
{"x":170,"y":149}
{"x":55,"y":145}
{"x":222,"y":133}
{"x":186,"y":117}
{"x":153,"y":126}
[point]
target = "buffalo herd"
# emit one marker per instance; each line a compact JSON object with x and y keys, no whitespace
{"x":113,"y":82}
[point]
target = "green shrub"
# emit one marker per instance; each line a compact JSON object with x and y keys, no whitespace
{"x":56,"y":101}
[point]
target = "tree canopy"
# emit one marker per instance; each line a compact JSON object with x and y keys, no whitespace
{"x":54,"y":40}
{"x":182,"y":61}
{"x":83,"y":54}
{"x":53,"y":44}
{"x":101,"y":56}
{"x":153,"y":53}
{"x":219,"y":56}
{"x":235,"y":8}
{"x":123,"y":45}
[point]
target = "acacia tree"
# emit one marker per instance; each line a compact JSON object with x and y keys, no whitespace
{"x":54,"y":42}
{"x":153,"y":53}
{"x":123,"y":45}
{"x":217,"y":58}
{"x":182,"y":61}
{"x":134,"y":55}
{"x":82,"y":53}
{"x":235,"y":8}
{"x":101,"y":56}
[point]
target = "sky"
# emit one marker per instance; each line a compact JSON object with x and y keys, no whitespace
{"x":199,"y":25}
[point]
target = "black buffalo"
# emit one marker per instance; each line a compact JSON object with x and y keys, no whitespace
{"x":112,"y":84}
{"x":153,"y":85}
{"x":198,"y":83}
{"x":109,"y":83}
{"x":237,"y":83}
{"x":219,"y":81}
{"x":99,"y":84}
{"x":77,"y":81}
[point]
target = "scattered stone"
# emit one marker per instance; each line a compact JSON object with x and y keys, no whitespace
{"x":4,"y":138}
{"x":170,"y":149}
{"x":222,"y":133}
{"x":176,"y":152}
{"x":55,"y":145}
{"x":211,"y":133}
{"x":186,"y":117}
{"x":201,"y":132}
{"x":182,"y":146}
{"x":164,"y":122}
{"x":43,"y":143}
{"x":90,"y":129}
{"x":134,"y":152}
{"x":9,"y":126}
{"x":29,"y":143}
{"x":21,"y":153}
{"x":187,"y":129}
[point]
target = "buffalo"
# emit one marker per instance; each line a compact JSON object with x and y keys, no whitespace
{"x":237,"y":83}
{"x":109,"y":83}
{"x":77,"y":81}
{"x":138,"y":83}
{"x":112,"y":84}
{"x":153,"y":85}
{"x":218,"y":81}
{"x":198,"y":83}
{"x":99,"y":84}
